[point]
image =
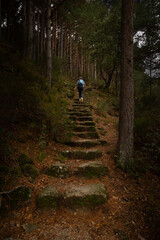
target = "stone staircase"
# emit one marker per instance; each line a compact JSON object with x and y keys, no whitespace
{"x":83,"y":147}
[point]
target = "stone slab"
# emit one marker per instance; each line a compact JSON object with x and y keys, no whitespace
{"x":90,"y":135}
{"x":82,"y":154}
{"x":59,"y":170}
{"x":49,"y":197}
{"x":83,"y":143}
{"x":92,"y":169}
{"x":85,"y":196}
{"x":84,"y":118}
{"x":87,"y":123}
{"x":85,"y":129}
{"x":80,"y":114}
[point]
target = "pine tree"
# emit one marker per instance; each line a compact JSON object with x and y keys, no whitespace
{"x":126,"y":120}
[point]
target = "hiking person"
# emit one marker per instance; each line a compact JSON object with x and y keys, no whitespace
{"x":80,"y":86}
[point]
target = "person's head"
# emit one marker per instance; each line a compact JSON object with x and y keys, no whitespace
{"x":80,"y":77}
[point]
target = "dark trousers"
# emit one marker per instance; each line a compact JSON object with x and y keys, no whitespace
{"x":80,"y":90}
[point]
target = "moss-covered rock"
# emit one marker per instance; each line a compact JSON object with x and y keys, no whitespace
{"x":85,"y":129}
{"x":14,"y":199}
{"x":92,"y":169}
{"x":24,"y":159}
{"x":29,"y":170}
{"x":80,"y":114}
{"x":85,"y":196}
{"x":11,"y":239}
{"x":29,"y":227}
{"x":89,"y":135}
{"x":82,"y":154}
{"x":83,"y":143}
{"x":19,"y":196}
{"x":60,"y":170}
{"x":83,"y":118}
{"x":49,"y":197}
{"x":87,"y":123}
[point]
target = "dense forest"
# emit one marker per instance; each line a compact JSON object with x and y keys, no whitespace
{"x":45,"y":46}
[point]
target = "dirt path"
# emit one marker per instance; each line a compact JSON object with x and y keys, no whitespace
{"x":130,"y":212}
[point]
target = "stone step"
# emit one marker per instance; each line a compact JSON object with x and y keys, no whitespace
{"x":87,"y":123}
{"x":92,"y":169}
{"x":89,"y":195}
{"x":59,"y":170}
{"x":82,"y":154}
{"x":82,"y":119}
{"x":79,"y":110}
{"x":49,"y":197}
{"x":83,"y":143}
{"x":81,"y":105}
{"x":89,"y":135}
{"x":77,"y":100}
{"x":80,"y":114}
{"x":85,"y":129}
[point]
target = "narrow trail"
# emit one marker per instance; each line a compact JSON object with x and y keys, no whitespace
{"x":81,"y":194}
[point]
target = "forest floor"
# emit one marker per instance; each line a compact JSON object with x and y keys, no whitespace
{"x":132,"y":211}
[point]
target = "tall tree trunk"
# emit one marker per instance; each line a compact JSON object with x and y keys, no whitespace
{"x":30,"y":30}
{"x":0,"y":21}
{"x":126,"y":121}
{"x":38,"y":38}
{"x":71,"y":60}
{"x":24,"y":21}
{"x":9,"y":20}
{"x":62,"y":47}
{"x":42,"y":38}
{"x":95,"y":70}
{"x":49,"y":56}
{"x":150,"y":76}
{"x":116,"y":82}
{"x":54,"y":33}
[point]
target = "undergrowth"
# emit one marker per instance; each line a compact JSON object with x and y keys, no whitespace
{"x":27,"y":101}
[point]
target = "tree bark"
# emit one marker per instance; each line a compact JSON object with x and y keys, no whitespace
{"x":71,"y":60}
{"x":126,"y":120}
{"x":42,"y":37}
{"x":62,"y":42}
{"x":0,"y":21}
{"x":24,"y":21}
{"x":30,"y":30}
{"x":49,"y":51}
{"x":38,"y":38}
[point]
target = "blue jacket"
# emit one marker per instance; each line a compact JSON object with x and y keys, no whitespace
{"x":80,"y":83}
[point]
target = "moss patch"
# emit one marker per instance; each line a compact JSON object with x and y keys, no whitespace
{"x":30,"y":170}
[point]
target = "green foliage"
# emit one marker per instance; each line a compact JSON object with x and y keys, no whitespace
{"x":25,"y":97}
{"x":24,"y":159}
{"x":102,"y":106}
{"x":61,"y":158}
{"x":147,"y":118}
{"x":42,"y":156}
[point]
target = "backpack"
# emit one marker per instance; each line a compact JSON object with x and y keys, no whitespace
{"x":80,"y":83}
